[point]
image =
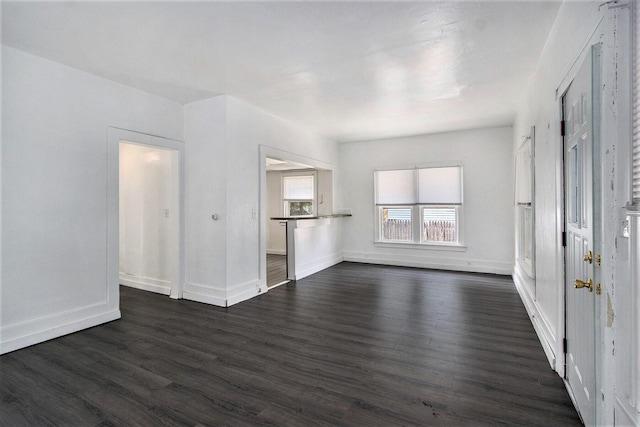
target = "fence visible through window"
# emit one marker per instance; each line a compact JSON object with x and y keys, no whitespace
{"x":438,"y":224}
{"x":396,"y":224}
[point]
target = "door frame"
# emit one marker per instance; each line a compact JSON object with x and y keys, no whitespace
{"x":114,"y":137}
{"x":595,"y":42}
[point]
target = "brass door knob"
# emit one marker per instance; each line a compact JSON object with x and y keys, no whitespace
{"x":579,"y":284}
{"x":589,"y":257}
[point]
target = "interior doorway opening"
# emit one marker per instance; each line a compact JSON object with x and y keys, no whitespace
{"x":294,"y":190}
{"x":149,"y":218}
{"x":282,"y":214}
{"x":277,"y":259}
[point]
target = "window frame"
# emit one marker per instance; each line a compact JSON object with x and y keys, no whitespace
{"x":286,"y":202}
{"x":417,"y":208}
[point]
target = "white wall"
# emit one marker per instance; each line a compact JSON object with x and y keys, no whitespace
{"x":226,"y":141}
{"x":248,"y":129}
{"x":206,"y":187}
{"x":619,"y":310}
{"x":148,"y":217}
{"x":318,"y":245}
{"x":487,"y":157}
{"x":54,"y":198}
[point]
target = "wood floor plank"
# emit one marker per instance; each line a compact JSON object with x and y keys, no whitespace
{"x":276,"y":269}
{"x":354,"y":344}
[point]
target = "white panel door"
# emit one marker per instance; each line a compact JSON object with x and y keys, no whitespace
{"x":580,"y":369}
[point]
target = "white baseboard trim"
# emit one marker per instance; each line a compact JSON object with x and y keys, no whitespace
{"x":25,"y":334}
{"x":243,"y":292}
{"x":146,"y":283}
{"x":204,"y":294}
{"x":318,"y":265}
{"x":453,"y":264}
{"x":541,"y":325}
{"x":222,"y":298}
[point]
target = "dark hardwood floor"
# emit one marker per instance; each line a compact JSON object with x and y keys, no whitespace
{"x":352,"y":345}
{"x":276,"y":269}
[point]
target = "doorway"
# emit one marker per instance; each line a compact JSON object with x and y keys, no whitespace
{"x":145,"y":197}
{"x":287,"y":163}
{"x":279,"y":206}
{"x":276,"y":229}
{"x":149,"y":213}
{"x":581,"y":112}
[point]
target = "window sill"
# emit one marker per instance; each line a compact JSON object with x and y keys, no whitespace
{"x":423,"y":246}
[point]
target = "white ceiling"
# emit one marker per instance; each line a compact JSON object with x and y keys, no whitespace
{"x":346,"y":70}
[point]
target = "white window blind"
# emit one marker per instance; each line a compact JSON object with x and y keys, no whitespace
{"x":298,"y":187}
{"x":427,"y":186}
{"x":440,"y":186}
{"x":636,"y":104}
{"x":395,"y":187}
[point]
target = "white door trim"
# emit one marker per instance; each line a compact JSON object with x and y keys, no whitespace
{"x":597,"y":36}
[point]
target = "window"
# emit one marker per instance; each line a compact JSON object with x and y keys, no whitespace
{"x":524,"y":206}
{"x":298,"y":194}
{"x":420,"y":205}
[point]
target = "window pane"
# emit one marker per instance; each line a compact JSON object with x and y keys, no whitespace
{"x":574,"y":185}
{"x":395,"y":187}
{"x":300,"y":208}
{"x":528,"y":234}
{"x":439,"y":224}
{"x":523,"y":173}
{"x":396,"y":224}
{"x":298,"y":187}
{"x":440,"y":185}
